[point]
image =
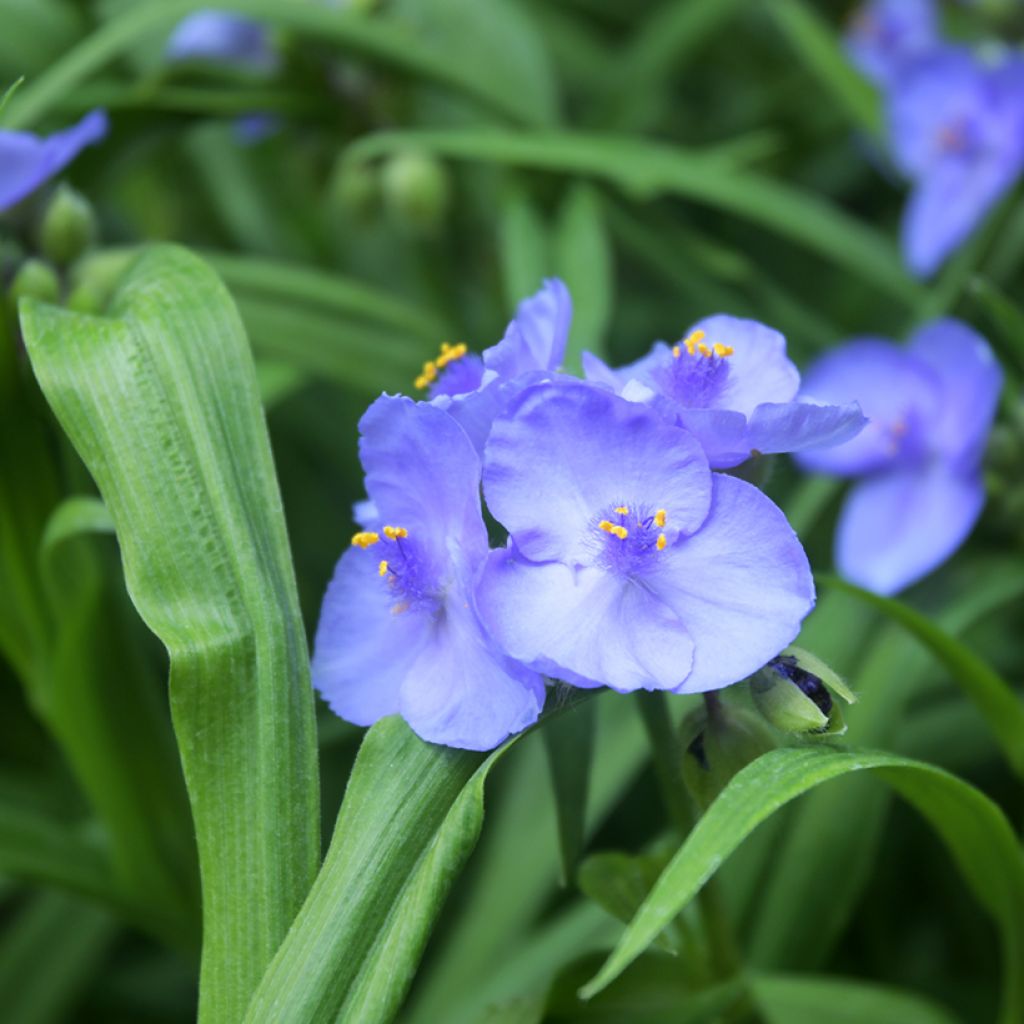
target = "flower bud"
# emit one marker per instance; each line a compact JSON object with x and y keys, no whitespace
{"x":718,"y":744}
{"x":355,"y":189}
{"x":416,"y":190}
{"x":68,"y":227}
{"x":794,"y":693}
{"x":36,"y":280}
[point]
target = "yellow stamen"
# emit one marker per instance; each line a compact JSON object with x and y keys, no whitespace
{"x":622,"y":510}
{"x":692,"y":340}
{"x":661,"y":542}
{"x":615,"y":530}
{"x":676,"y":351}
{"x":395,"y":532}
{"x":723,"y":350}
{"x":660,"y":516}
{"x":365,"y":538}
{"x":448,"y":354}
{"x":704,"y":350}
{"x":382,"y":569}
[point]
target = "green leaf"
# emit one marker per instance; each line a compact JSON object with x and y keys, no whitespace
{"x":994,"y":698}
{"x":974,"y":829}
{"x":791,"y":999}
{"x":817,"y":45}
{"x":72,"y":518}
{"x":523,"y":245}
{"x":584,"y":258}
{"x":381,"y":39}
{"x":644,"y":169}
{"x":1005,"y":316}
{"x":410,"y":818}
{"x":569,"y":741}
{"x":9,"y":92}
{"x":524,"y":1010}
{"x":160,"y":401}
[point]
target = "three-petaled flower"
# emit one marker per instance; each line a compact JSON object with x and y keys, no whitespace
{"x":885,"y":37}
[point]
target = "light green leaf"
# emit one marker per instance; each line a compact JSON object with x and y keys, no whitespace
{"x":523,"y":242}
{"x":1002,"y":708}
{"x":1005,"y":316}
{"x":71,"y":518}
{"x":644,"y":169}
{"x":791,"y":999}
{"x":160,"y":401}
{"x":411,"y":815}
{"x":585,"y":260}
{"x":974,"y":829}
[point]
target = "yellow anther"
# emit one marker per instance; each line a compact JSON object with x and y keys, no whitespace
{"x":704,"y":350}
{"x":660,"y":516}
{"x":395,"y":532}
{"x":448,"y":354}
{"x":723,"y":350}
{"x":692,"y":340}
{"x":428,"y":376}
{"x":622,"y":510}
{"x":614,"y":529}
{"x":382,"y":569}
{"x":676,"y":351}
{"x":661,"y":542}
{"x":365,"y":538}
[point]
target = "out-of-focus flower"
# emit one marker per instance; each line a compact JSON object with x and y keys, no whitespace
{"x":630,"y":564}
{"x":930,"y":406}
{"x":730,"y":383}
{"x":476,"y":388}
{"x":28,"y":161}
{"x":225,"y":38}
{"x":956,"y":128}
{"x":399,"y":632}
{"x":886,"y":36}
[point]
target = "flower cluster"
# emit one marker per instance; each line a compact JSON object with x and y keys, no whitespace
{"x":931,"y":405}
{"x":955,"y":123}
{"x":626,"y":561}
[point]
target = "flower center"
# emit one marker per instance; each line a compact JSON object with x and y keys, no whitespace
{"x":698,"y":372}
{"x":630,"y":536}
{"x":432,"y":367}
{"x":405,"y":571}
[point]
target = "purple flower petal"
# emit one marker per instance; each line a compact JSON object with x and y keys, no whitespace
{"x":721,"y":433}
{"x":898,"y":526}
{"x":898,"y":393}
{"x":536,"y":338}
{"x":970,"y":379}
{"x":583,"y":622}
{"x":885,"y":36}
{"x":741,"y":585}
{"x":462,"y":692}
{"x":566,"y":454}
{"x":223,"y":37}
{"x":796,"y":426}
{"x":28,"y":161}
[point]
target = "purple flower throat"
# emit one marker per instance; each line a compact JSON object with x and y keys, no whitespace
{"x":628,"y":539}
{"x":697,"y":373}
{"x":405,"y":571}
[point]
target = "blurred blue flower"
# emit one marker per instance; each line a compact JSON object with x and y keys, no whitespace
{"x":225,"y":38}
{"x":956,"y":129}
{"x":28,"y":161}
{"x":398,"y":631}
{"x":730,"y":383}
{"x":886,"y":36}
{"x":630,"y":564}
{"x":475,"y":388}
{"x":930,"y":405}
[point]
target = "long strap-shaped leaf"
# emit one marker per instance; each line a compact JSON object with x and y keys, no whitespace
{"x":160,"y":401}
{"x":411,"y":815}
{"x":972,"y":826}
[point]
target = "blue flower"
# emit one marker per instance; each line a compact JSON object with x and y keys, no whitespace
{"x":730,"y":383}
{"x":956,"y":129}
{"x":226,"y":38}
{"x":476,"y":388}
{"x":398,"y":631}
{"x":28,"y":161}
{"x":931,"y":405}
{"x":630,"y":564}
{"x":885,"y":37}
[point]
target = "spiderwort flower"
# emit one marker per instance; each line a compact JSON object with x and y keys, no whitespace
{"x":28,"y":161}
{"x":475,"y":388}
{"x":956,"y":128}
{"x":730,"y":383}
{"x":225,"y":38}
{"x":398,"y":630}
{"x":630,"y":564}
{"x":931,"y":405}
{"x":885,"y":37}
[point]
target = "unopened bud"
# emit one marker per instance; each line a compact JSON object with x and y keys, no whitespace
{"x":416,"y":189}
{"x":794,"y":692}
{"x":355,"y":189}
{"x":68,"y":227}
{"x":35,"y":280}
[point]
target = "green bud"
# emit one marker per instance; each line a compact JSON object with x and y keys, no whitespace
{"x":416,"y":190}
{"x":794,"y":693}
{"x":35,"y":280}
{"x":718,"y":744}
{"x":355,"y":189}
{"x":68,"y":227}
{"x":86,"y":299}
